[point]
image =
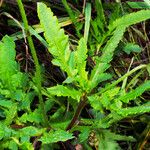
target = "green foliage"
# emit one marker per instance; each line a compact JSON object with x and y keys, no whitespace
{"x":80,"y":57}
{"x":132,"y":95}
{"x":133,"y":111}
{"x":56,"y":136}
{"x":97,"y":74}
{"x":130,"y":19}
{"x":111,"y":99}
{"x":7,"y":59}
{"x":21,"y":125}
{"x":33,"y":117}
{"x":87,"y":21}
{"x":138,"y":5}
{"x":130,"y":47}
{"x":108,"y":50}
{"x":57,"y":40}
{"x":104,"y":139}
{"x":73,"y":16}
{"x":61,"y":90}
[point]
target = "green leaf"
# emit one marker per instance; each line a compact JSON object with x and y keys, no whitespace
{"x":108,"y":96}
{"x":111,"y":45}
{"x":73,"y":16}
{"x":108,"y":144}
{"x":60,"y":124}
{"x":81,"y":56}
{"x":19,"y":80}
{"x":5,"y":132}
{"x":95,"y":102}
{"x":118,"y":137}
{"x":27,"y":146}
{"x":2,"y":134}
{"x":97,"y":79}
{"x":72,"y":65}
{"x":57,"y":40}
{"x":8,"y":65}
{"x":85,"y":131}
{"x":131,"y":47}
{"x":58,"y":115}
{"x":124,"y":112}
{"x":10,"y":114}
{"x":102,"y":65}
{"x":13,"y":145}
{"x":87,"y":21}
{"x":107,"y":140}
{"x":100,"y":13}
{"x":135,"y":93}
{"x":97,"y":75}
{"x":105,"y":100}
{"x":6,"y":103}
{"x":148,"y":69}
{"x":61,"y":90}
{"x":130,"y":19}
{"x":34,"y":117}
{"x":31,"y":131}
{"x":56,"y":136}
{"x":27,"y":100}
{"x":138,"y":5}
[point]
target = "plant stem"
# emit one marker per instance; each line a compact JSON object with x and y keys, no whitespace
{"x":122,"y":78}
{"x":34,"y":55}
{"x":78,"y":111}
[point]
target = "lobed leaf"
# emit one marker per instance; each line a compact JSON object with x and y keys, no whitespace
{"x":80,"y":57}
{"x":31,"y":131}
{"x":56,"y":136}
{"x":35,"y":116}
{"x":57,"y":40}
{"x":124,"y":112}
{"x":97,"y":75}
{"x":138,"y":5}
{"x":10,"y":114}
{"x":61,"y":90}
{"x":103,"y":62}
{"x":111,"y":45}
{"x":118,"y":137}
{"x":131,"y":47}
{"x":95,"y":102}
{"x":8,"y":65}
{"x":130,"y":19}
{"x":97,"y":79}
{"x":135,"y":93}
{"x":6,"y":103}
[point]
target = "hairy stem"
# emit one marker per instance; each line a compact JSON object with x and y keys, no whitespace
{"x":34,"y":55}
{"x":78,"y":112}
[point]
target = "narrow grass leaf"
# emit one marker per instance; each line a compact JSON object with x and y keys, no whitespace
{"x":87,"y":21}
